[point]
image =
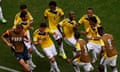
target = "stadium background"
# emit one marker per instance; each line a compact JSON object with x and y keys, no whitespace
{"x":107,"y":10}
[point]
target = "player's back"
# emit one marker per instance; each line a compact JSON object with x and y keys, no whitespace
{"x":84,"y":57}
{"x":110,"y":48}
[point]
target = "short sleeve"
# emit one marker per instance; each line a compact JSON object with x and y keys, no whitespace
{"x":46,"y":13}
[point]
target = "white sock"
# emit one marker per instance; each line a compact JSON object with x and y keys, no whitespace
{"x":61,"y":48}
{"x":54,"y":66}
{"x":76,"y":66}
{"x":36,"y":51}
{"x":1,"y":14}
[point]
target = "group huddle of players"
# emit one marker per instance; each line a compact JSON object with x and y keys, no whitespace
{"x":97,"y":42}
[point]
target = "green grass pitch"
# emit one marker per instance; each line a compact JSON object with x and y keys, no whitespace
{"x":107,"y":10}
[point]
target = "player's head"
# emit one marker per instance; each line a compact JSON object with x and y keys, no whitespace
{"x":72,"y":15}
{"x":93,"y":21}
{"x":23,"y":7}
{"x":18,"y":28}
{"x":52,"y":5}
{"x":101,"y":30}
{"x":24,"y":16}
{"x":42,"y":27}
{"x":90,"y":12}
{"x":101,"y":68}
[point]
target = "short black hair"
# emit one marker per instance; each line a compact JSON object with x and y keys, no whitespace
{"x":53,"y":3}
{"x":19,"y":26}
{"x":90,"y":8}
{"x":43,"y":25}
{"x":93,"y":18}
{"x":23,"y":14}
{"x":23,"y":6}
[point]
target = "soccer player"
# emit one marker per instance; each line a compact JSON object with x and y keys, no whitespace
{"x":41,"y":36}
{"x":26,"y":23}
{"x":109,"y":52}
{"x":94,"y":39}
{"x":54,"y":14}
{"x":23,"y":8}
{"x":82,"y":57}
{"x":15,"y":38}
{"x":2,"y":19}
{"x":85,"y":19}
{"x":68,"y":25}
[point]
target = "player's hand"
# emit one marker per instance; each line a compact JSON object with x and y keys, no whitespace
{"x":40,"y":42}
{"x":9,"y":44}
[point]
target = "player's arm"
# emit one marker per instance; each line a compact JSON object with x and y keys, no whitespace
{"x":30,"y":18}
{"x":4,"y":38}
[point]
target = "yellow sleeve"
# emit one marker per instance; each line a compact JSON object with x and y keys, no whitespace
{"x":35,"y":36}
{"x":61,"y":12}
{"x":102,"y":42}
{"x":77,"y":46}
{"x":62,"y":23}
{"x":98,"y":21}
{"x":16,"y":21}
{"x":30,"y":16}
{"x":46,"y":13}
{"x":81,"y":20}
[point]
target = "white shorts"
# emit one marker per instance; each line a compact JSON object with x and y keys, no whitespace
{"x":86,"y":66}
{"x":95,"y":47}
{"x":70,"y":41}
{"x":28,"y":44}
{"x":50,"y":52}
{"x":58,"y":33}
{"x":109,"y":61}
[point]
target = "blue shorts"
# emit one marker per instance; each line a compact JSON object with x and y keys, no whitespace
{"x":21,"y":55}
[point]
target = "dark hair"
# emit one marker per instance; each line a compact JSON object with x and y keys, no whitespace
{"x":52,"y":3}
{"x":93,"y":18}
{"x":23,"y":6}
{"x":90,"y":9}
{"x":23,"y":14}
{"x":43,"y":25}
{"x":19,"y":26}
{"x":101,"y":68}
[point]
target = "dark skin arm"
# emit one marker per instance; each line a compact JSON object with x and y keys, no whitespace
{"x":4,"y":38}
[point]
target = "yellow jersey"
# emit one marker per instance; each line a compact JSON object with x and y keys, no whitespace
{"x":25,"y":24}
{"x":68,"y":25}
{"x":93,"y":33}
{"x":18,"y":16}
{"x":44,"y":37}
{"x":53,"y":17}
{"x":84,"y":20}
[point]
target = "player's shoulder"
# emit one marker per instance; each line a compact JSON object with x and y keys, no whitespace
{"x":58,"y":8}
{"x":47,"y":9}
{"x":36,"y":31}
